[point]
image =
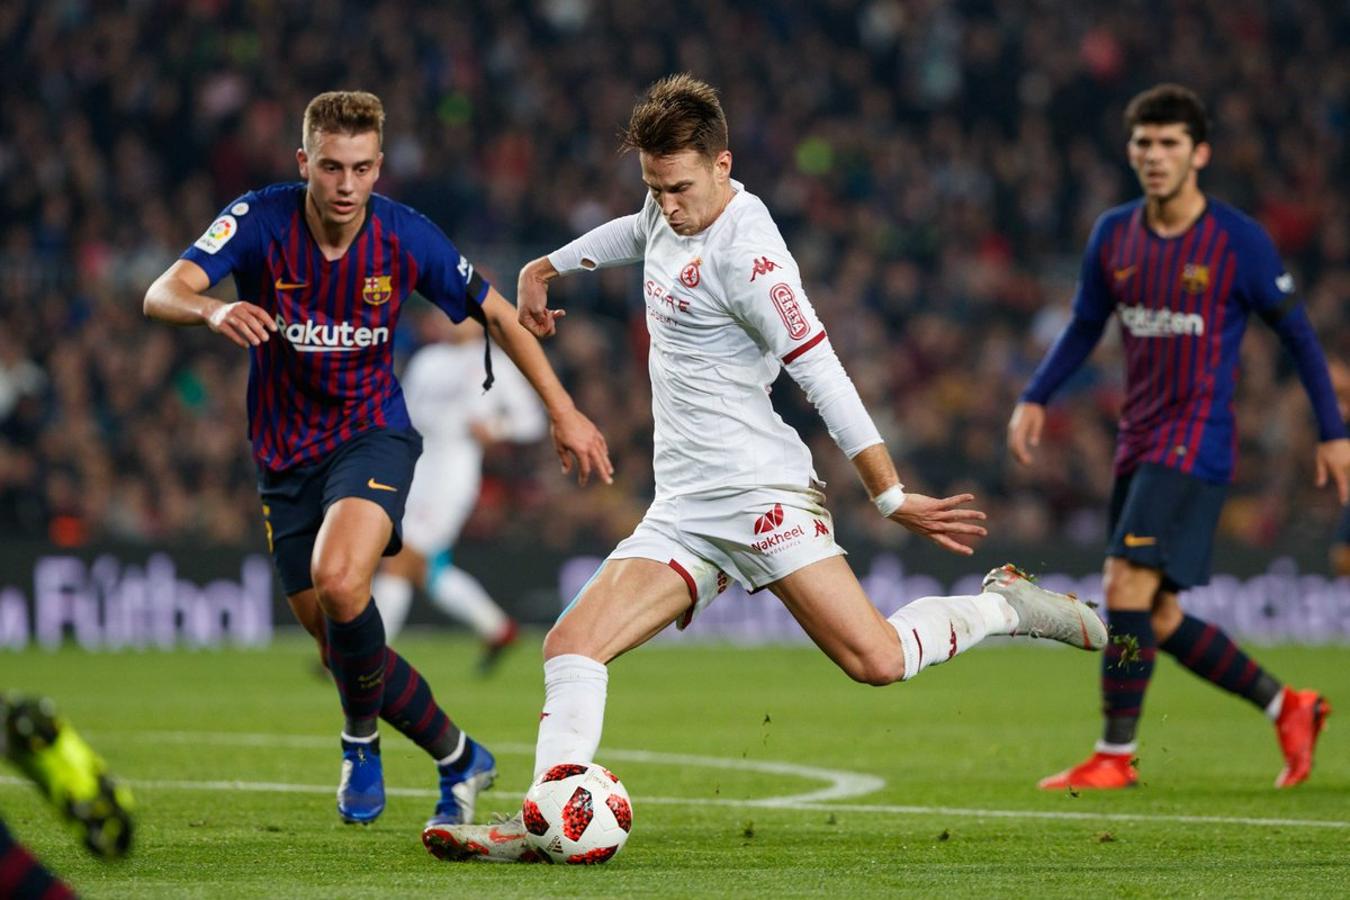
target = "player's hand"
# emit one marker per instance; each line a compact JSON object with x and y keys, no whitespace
{"x":1333,"y":459}
{"x":1024,"y":430}
{"x":581,"y":445}
{"x":242,"y":322}
{"x":942,"y":520}
{"x":532,"y":299}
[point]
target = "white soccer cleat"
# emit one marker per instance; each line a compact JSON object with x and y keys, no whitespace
{"x":1046,"y":614}
{"x":504,"y":841}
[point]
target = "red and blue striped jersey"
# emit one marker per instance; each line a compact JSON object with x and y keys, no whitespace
{"x":1183,"y":304}
{"x":327,"y":373}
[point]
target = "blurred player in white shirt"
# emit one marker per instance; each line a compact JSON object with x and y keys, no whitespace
{"x":457,"y":422}
{"x":736,"y":494}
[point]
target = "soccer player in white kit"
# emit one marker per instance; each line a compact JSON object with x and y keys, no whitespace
{"x":736,"y":495}
{"x":457,"y":422}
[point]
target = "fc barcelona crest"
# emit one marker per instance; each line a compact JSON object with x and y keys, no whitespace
{"x":377,"y":289}
{"x":1195,"y":278}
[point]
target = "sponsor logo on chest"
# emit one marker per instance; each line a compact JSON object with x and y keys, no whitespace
{"x":1142,"y":322}
{"x":309,"y":336}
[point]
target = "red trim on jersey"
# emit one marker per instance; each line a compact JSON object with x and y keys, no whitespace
{"x":802,"y":348}
{"x":693,"y":592}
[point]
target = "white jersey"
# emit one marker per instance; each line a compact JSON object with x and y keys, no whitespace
{"x":442,"y":387}
{"x":726,"y":311}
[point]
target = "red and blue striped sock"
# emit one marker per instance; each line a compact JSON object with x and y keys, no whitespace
{"x":1127,"y":666}
{"x":1210,"y":653}
{"x":21,"y":875}
{"x":356,"y":656}
{"x":410,"y":707}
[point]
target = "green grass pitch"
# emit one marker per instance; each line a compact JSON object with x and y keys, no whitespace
{"x":919,"y":789}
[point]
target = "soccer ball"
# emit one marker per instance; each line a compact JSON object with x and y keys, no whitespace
{"x":577,"y":813}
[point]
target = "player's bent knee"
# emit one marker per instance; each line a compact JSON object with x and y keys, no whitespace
{"x":341,"y":588}
{"x":876,"y":669}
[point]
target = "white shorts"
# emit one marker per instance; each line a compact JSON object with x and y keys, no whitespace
{"x":755,"y":535}
{"x":443,"y":493}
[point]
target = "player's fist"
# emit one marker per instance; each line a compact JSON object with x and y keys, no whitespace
{"x":1024,"y":430}
{"x":242,"y":322}
{"x":532,"y":299}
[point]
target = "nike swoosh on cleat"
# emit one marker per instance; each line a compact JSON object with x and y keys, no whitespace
{"x":376,"y":486}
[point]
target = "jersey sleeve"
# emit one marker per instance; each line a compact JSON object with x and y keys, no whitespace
{"x":1269,"y":291}
{"x":232,"y":243}
{"x":763,"y":289}
{"x":1091,"y":298}
{"x":444,"y":276}
{"x":615,"y":243}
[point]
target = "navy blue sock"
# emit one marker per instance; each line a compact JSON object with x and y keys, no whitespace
{"x":1127,"y":666}
{"x":356,"y":655}
{"x":1208,"y":652}
{"x":410,"y":707}
{"x":22,"y":876}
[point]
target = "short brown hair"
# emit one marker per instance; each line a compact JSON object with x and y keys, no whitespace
{"x":344,"y":112}
{"x":679,"y":112}
{"x":1169,"y":104}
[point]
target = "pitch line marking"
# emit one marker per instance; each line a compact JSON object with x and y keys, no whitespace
{"x":841,"y":785}
{"x":809,"y":802}
{"x":272,"y":787}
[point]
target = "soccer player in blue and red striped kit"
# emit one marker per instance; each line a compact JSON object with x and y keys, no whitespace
{"x":323,"y":267}
{"x":1182,"y":272}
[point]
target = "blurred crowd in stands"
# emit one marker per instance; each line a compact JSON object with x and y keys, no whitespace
{"x":935,"y":167}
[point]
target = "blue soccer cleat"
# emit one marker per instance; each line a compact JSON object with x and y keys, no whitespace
{"x":360,"y":793}
{"x":460,"y":787}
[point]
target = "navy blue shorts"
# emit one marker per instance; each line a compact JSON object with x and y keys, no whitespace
{"x":1164,"y":519}
{"x":375,"y":465}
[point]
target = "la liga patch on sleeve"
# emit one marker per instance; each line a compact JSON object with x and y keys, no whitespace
{"x":218,"y":235}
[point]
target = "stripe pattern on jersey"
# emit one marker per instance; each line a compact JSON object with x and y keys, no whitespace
{"x":1182,"y":287}
{"x":305,"y":400}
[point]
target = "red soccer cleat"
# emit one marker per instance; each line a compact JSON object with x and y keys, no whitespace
{"x":1101,"y":772}
{"x":1302,"y":717}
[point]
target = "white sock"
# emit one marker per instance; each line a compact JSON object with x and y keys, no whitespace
{"x":368,"y":739}
{"x":934,"y":629}
{"x":1117,"y":749}
{"x":457,"y":593}
{"x":1274,"y":707}
{"x":457,"y":753}
{"x":574,"y":711}
{"x":393,"y":595}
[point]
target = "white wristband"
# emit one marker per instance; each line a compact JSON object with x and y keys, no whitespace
{"x":889,"y":500}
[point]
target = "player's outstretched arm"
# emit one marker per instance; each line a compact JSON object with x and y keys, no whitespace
{"x":576,"y":439}
{"x":946,"y":521}
{"x":532,"y":298}
{"x":1024,"y":430}
{"x":178,"y":297}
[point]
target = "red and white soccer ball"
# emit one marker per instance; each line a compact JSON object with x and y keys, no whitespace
{"x":577,"y":813}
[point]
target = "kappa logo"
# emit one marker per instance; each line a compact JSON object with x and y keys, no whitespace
{"x":689,"y":276}
{"x":722,"y":581}
{"x":821,"y":528}
{"x":770,"y":520}
{"x":763,"y":266}
{"x":377,"y":289}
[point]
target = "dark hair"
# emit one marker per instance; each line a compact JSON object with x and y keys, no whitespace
{"x":679,"y":112}
{"x":343,"y":112}
{"x":1169,"y":104}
